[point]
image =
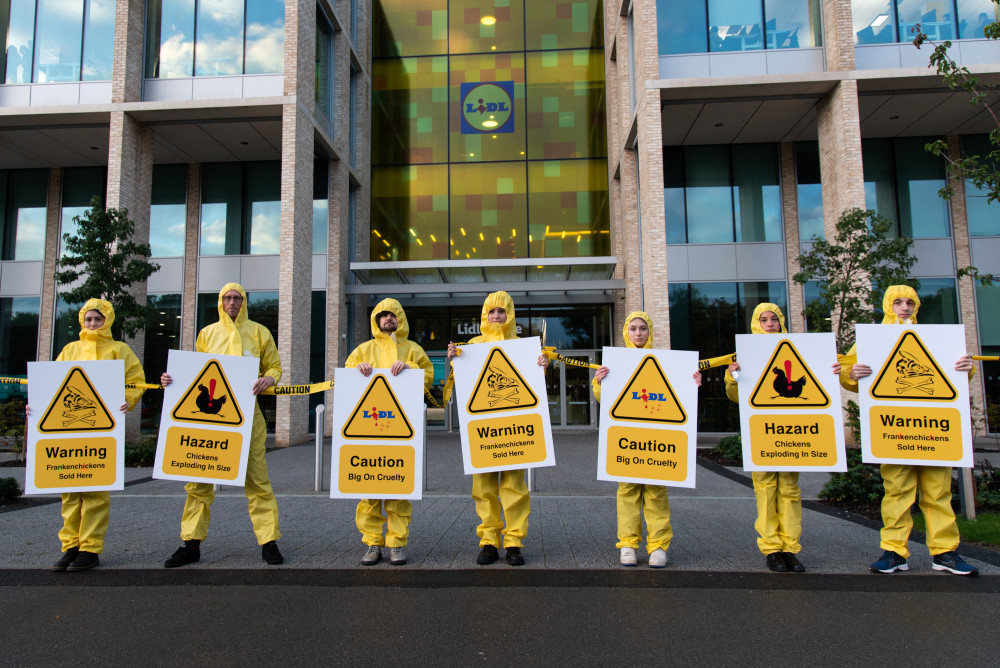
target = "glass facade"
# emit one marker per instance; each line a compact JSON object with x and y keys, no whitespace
{"x":79,"y":186}
{"x":57,"y":40}
{"x":18,"y":340}
{"x":902,"y":181}
{"x":214,"y":37}
{"x":168,"y":210}
{"x":324,"y":65}
{"x":983,"y":216}
{"x":721,"y":194}
{"x":886,"y":21}
{"x":808,"y":190}
{"x":67,"y":325}
{"x":517,"y":169}
{"x":988,"y":311}
{"x":163,"y":333}
{"x":241,"y":208}
{"x":23,"y":197}
{"x":737,"y":25}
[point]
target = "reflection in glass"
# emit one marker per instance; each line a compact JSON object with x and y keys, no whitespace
{"x":169,"y":39}
{"x":793,"y":25}
{"x":18,"y":340}
{"x":20,"y":42}
{"x":809,"y":191}
{"x":163,"y":333}
{"x":681,"y":27}
{"x":168,"y":210}
{"x":759,"y":292}
{"x":756,"y":192}
{"x":488,"y":210}
{"x":938,"y":301}
{"x":734,"y":25}
{"x":66,"y":327}
{"x":410,"y":213}
{"x":873,"y":21}
{"x":24,"y":193}
{"x":920,"y":175}
{"x":564,"y":25}
{"x":409,"y":28}
{"x":974,"y":16}
{"x":934,"y":16}
{"x":79,"y":186}
{"x":410,"y":110}
{"x":708,"y":195}
{"x":221,"y":208}
{"x":480,"y":27}
{"x":264,"y":194}
{"x":568,"y":208}
{"x":58,"y":40}
{"x":816,"y":320}
{"x":880,"y":189}
{"x":983,"y":216}
{"x":98,"y":40}
{"x":321,"y":210}
{"x":988,"y":310}
{"x":265,"y":41}
{"x":566,"y":105}
{"x":219,"y":46}
{"x":324,"y":63}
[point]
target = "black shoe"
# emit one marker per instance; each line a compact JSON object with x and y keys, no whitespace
{"x":84,"y":562}
{"x":269,"y":553}
{"x":487,"y":555}
{"x":188,"y":553}
{"x":67,"y":559}
{"x":793,"y":563}
{"x":776,"y":563}
{"x":514,"y":556}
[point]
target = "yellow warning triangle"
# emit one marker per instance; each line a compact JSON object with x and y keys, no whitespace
{"x":378,"y":414}
{"x":209,"y":399}
{"x":788,"y":382}
{"x":500,"y":387}
{"x":648,"y":397}
{"x":76,"y":407}
{"x":912,"y":374}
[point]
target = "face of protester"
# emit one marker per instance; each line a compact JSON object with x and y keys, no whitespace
{"x":387,"y":322}
{"x":93,"y":320}
{"x":232,"y":302}
{"x":497,"y":316}
{"x":769,"y":322}
{"x":638,"y":332}
{"x":903,"y":308}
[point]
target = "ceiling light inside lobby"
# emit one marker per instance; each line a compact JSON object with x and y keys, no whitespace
{"x":488,"y":20}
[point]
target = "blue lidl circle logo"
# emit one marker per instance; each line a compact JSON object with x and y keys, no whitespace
{"x":487,"y":107}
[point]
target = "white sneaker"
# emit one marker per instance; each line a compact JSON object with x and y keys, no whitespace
{"x":627,"y":557}
{"x":373,"y":555}
{"x":658,"y":558}
{"x":397,"y":556}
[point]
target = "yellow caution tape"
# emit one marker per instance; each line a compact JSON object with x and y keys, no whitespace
{"x":298,"y":390}
{"x":14,"y":381}
{"x":715,"y":362}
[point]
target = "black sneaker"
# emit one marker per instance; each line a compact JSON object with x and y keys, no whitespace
{"x":188,"y":553}
{"x":514,"y":556}
{"x":84,"y":562}
{"x":487,"y":555}
{"x":793,"y":563}
{"x":951,"y":562}
{"x":269,"y":553}
{"x":775,"y":562}
{"x":67,"y":559}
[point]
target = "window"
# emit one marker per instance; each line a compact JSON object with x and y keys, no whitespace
{"x":324,"y":65}
{"x":321,"y":205}
{"x":737,"y":25}
{"x":902,"y":181}
{"x":163,"y":333}
{"x":317,"y":350}
{"x":23,"y":197}
{"x":80,"y":185}
{"x":214,"y":37}
{"x":721,"y":194}
{"x":886,"y":21}
{"x":241,"y":208}
{"x":168,"y":210}
{"x":66,"y":327}
{"x":353,"y":138}
{"x":988,"y":310}
{"x":809,"y":191}
{"x":633,"y":84}
{"x":18,"y":339}
{"x":938,"y":301}
{"x":983,"y":216}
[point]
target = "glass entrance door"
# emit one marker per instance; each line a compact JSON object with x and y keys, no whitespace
{"x":571,"y":402}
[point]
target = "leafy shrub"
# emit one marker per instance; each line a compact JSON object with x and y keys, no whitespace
{"x":987,"y":487}
{"x":853,"y":422}
{"x":141,"y":453}
{"x":730,"y":447}
{"x":10,"y":491}
{"x":12,"y":421}
{"x":862,"y":483}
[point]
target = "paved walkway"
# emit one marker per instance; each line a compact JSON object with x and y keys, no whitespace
{"x":572,"y":523}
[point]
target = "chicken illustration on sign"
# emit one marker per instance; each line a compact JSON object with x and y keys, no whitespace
{"x":911,"y":373}
{"x":208,"y":399}
{"x":787,"y":382}
{"x":500,"y":387}
{"x":76,"y":407}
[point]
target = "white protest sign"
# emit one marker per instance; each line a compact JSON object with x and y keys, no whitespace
{"x":914,"y":406}
{"x":649,"y":417}
{"x":790,"y":413}
{"x":207,"y":418}
{"x":378,"y":435}
{"x":76,"y":430}
{"x":503,"y":411}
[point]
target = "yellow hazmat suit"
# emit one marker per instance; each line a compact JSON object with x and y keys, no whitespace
{"x":635,"y":500}
{"x":506,"y":489}
{"x":902,"y":481}
{"x":248,"y":339}
{"x":779,"y":499}
{"x":85,"y":514}
{"x":382,"y":352}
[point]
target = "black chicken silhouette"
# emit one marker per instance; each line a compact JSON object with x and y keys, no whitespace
{"x":208,"y":403}
{"x":785,"y":387}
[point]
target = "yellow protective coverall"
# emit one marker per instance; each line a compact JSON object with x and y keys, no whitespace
{"x":382,"y":352}
{"x":85,"y":514}
{"x":779,"y":499}
{"x":247,"y":339}
{"x":635,"y":500}
{"x":506,"y":489}
{"x":902,"y":481}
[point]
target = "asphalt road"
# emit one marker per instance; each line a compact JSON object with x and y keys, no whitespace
{"x":494,"y":618}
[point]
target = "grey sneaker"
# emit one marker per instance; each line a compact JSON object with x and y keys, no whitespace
{"x":658,"y":558}
{"x":627,"y":557}
{"x":397,"y":556}
{"x":373,"y":555}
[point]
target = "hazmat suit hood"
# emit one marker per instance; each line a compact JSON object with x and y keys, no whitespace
{"x":234,"y":343}
{"x":755,"y":327}
{"x":394,"y":307}
{"x":98,"y":338}
{"x":649,"y":323}
{"x":497,"y":332}
{"x":892,"y":293}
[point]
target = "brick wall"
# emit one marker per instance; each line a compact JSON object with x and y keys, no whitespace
{"x":127,"y":66}
{"x":192,"y":237}
{"x":47,"y":307}
{"x":838,"y":35}
{"x":790,"y":217}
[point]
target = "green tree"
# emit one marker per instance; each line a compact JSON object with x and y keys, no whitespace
{"x":854,"y":269}
{"x":105,"y":261}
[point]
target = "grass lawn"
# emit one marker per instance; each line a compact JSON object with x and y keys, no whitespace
{"x":985,"y":529}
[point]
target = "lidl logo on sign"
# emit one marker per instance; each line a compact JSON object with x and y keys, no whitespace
{"x":648,"y":397}
{"x":912,"y":374}
{"x":378,"y":414}
{"x":487,"y":107}
{"x":787,"y":382}
{"x":76,"y":407}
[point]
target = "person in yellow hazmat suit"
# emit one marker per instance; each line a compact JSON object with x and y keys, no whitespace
{"x":779,"y":499}
{"x":634,"y":500}
{"x":85,"y":514}
{"x":389,"y":349}
{"x":235,"y":334}
{"x":903,"y":482}
{"x":505,"y":489}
